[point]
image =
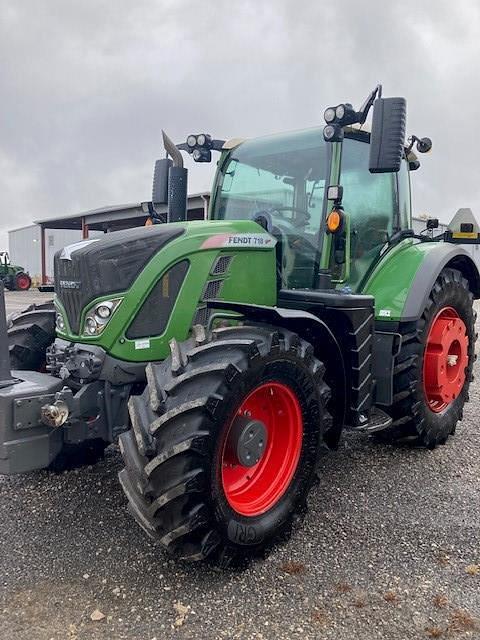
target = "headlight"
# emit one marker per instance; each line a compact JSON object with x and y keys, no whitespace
{"x":340,"y":112}
{"x":99,"y":316}
{"x":103,"y":311}
{"x":90,"y":326}
{"x":328,"y":132}
{"x":333,"y":133}
{"x":60,"y":322}
{"x":329,"y":115}
{"x":192,"y":141}
{"x":201,"y":140}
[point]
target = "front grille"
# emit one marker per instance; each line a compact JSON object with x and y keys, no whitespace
{"x":212,"y":290}
{"x":68,"y":285}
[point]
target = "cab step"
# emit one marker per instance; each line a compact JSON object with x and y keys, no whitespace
{"x":379,"y":421}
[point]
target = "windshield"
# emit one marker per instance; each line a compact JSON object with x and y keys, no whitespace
{"x":282,"y":178}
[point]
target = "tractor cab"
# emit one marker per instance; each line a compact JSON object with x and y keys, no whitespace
{"x":281,"y":181}
{"x":4,"y":260}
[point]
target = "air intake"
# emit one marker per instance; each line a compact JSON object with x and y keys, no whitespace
{"x":221,"y":265}
{"x":201,"y":316}
{"x":212,"y":290}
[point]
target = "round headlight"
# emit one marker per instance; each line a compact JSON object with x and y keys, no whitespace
{"x":191,"y":141}
{"x":340,"y":111}
{"x":60,"y":322}
{"x":201,"y":140}
{"x":90,"y":326}
{"x":329,"y":114}
{"x":103,"y":311}
{"x":328,"y":132}
{"x":197,"y":154}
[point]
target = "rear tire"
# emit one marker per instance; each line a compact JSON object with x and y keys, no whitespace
{"x":175,"y":474}
{"x":418,"y":415}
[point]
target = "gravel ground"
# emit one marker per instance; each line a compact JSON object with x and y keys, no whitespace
{"x":389,"y":549}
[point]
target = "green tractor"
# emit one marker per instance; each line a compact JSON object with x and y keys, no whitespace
{"x":13,"y":277}
{"x":227,"y":354}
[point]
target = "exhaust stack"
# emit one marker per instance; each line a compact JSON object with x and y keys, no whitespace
{"x":177,"y":183}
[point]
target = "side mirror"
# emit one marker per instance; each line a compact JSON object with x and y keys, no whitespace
{"x":160,"y":181}
{"x":388,"y":135}
{"x":424,"y":145}
{"x":433,"y":223}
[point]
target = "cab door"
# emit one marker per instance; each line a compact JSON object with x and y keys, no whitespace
{"x":370,"y":202}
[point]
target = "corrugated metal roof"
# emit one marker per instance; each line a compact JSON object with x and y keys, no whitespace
{"x":109,"y":209}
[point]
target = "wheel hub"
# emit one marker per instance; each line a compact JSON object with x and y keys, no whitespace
{"x":262,"y":448}
{"x":248,"y":440}
{"x":22,"y":282}
{"x":445,"y":359}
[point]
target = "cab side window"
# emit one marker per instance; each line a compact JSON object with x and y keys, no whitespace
{"x":369,"y":201}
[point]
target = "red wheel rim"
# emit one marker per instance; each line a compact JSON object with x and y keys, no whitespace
{"x":445,"y":359}
{"x":23,"y":282}
{"x":251,"y":491}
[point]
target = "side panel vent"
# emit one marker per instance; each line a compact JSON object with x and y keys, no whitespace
{"x":212,"y":290}
{"x":221,"y":265}
{"x":201,"y":316}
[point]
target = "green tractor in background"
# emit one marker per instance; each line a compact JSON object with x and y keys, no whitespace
{"x":13,"y":277}
{"x":227,"y":354}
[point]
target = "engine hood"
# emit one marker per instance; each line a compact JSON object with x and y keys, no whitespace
{"x":102,"y":266}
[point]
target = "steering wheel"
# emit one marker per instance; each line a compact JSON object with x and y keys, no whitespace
{"x":292,"y":241}
{"x":286,"y":228}
{"x":293,"y":209}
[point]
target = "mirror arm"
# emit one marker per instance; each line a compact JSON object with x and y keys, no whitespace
{"x":412,"y":139}
{"x":367,"y":105}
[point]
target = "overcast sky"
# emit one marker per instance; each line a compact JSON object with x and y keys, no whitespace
{"x":87,"y":86}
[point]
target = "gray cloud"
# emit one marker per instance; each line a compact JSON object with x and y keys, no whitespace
{"x":86,"y":88}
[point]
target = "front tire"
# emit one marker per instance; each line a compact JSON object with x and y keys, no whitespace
{"x":433,"y":370}
{"x":186,"y":482}
{"x":29,"y":335}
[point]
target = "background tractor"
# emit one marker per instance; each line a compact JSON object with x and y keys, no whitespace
{"x":13,"y":277}
{"x":226,"y":354}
